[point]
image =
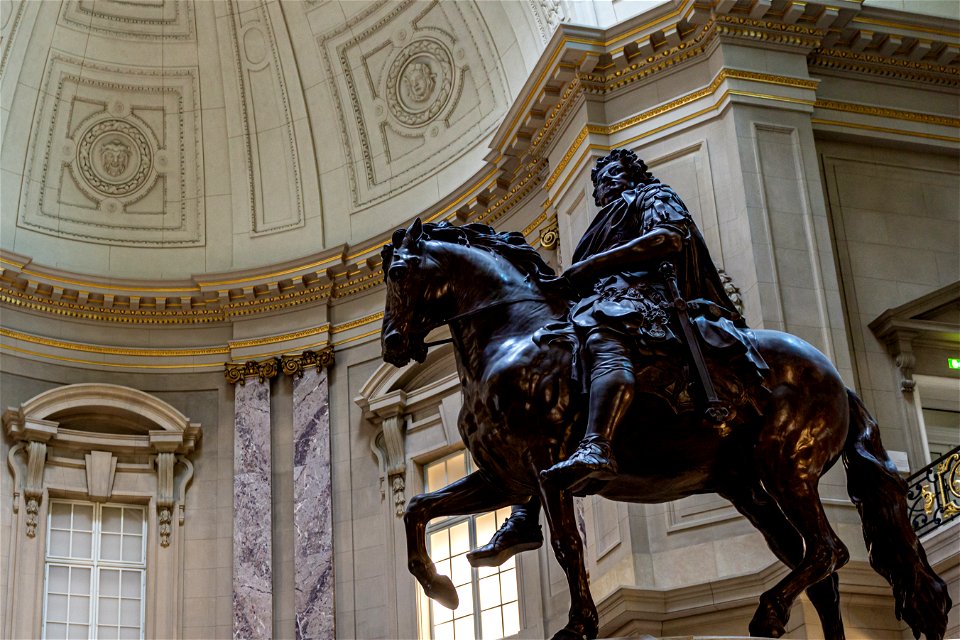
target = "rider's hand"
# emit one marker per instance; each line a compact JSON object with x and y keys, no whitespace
{"x":580,"y":274}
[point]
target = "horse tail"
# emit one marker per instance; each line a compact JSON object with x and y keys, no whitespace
{"x":879,"y":494}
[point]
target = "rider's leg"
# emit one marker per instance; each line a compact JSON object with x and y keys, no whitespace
{"x":520,"y":532}
{"x":611,"y":394}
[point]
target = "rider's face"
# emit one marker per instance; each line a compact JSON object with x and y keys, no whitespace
{"x":612,"y":180}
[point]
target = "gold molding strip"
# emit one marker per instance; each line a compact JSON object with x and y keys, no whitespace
{"x":883,"y":112}
{"x":284,"y":337}
{"x":353,"y":324}
{"x":900,"y":25}
{"x":123,"y":365}
{"x":116,"y":351}
{"x":867,"y":127}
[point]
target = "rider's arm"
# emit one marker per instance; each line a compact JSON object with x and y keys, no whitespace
{"x":660,"y":243}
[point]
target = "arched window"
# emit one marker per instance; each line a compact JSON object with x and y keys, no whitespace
{"x":100,"y":478}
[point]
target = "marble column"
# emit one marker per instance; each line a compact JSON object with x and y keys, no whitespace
{"x":252,"y":513}
{"x":312,"y":509}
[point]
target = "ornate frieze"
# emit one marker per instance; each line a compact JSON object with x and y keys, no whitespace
{"x":415,"y":86}
{"x":155,"y":20}
{"x":115,"y":155}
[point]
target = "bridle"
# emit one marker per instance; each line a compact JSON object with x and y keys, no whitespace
{"x":477,"y":311}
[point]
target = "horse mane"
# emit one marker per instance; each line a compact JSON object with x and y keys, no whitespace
{"x":509,"y":244}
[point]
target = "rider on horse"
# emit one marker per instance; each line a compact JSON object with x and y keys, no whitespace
{"x":628,"y":315}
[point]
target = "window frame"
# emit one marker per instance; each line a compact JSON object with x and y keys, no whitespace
{"x":448,"y":522}
{"x":95,"y":562}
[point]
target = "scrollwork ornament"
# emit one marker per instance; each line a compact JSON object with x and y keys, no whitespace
{"x":262,"y":371}
{"x":550,"y":237}
{"x":296,"y":365}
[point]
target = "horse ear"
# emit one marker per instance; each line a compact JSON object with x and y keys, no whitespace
{"x":386,"y":254}
{"x":416,"y":230}
{"x":398,"y":237}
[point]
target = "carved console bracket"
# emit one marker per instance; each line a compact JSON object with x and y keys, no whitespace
{"x":295,"y":365}
{"x":389,"y":445}
{"x":34,"y":434}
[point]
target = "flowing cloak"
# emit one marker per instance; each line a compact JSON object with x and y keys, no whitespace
{"x":635,"y":304}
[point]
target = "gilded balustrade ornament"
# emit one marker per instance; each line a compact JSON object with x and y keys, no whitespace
{"x":934,"y":493}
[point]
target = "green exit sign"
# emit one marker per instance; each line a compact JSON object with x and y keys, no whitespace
{"x":954,"y":363}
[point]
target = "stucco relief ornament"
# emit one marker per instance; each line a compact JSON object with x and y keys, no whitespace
{"x":114,"y":157}
{"x":420,"y":82}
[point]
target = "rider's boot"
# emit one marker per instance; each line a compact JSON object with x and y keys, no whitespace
{"x":610,"y":398}
{"x":520,"y":532}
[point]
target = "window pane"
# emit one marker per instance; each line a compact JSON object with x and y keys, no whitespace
{"x":103,"y":633}
{"x":466,"y":600}
{"x":60,"y":544}
{"x":109,"y":582}
{"x":130,"y":612}
{"x":132,"y":548}
{"x":456,"y":467}
{"x":460,"y":538}
{"x":511,"y":619}
{"x":56,"y":630}
{"x":436,"y":476}
{"x":83,"y":517}
{"x":443,"y":631}
{"x":82,"y":545}
{"x":79,"y":581}
{"x":463,"y":628}
{"x":439,"y":545}
{"x":133,"y":520}
{"x":78,"y":632}
{"x":57,"y":608}
{"x":112,"y":518}
{"x":489,"y":592}
{"x":491,"y":624}
{"x":110,"y":546}
{"x":131,"y":584}
{"x":441,"y":613}
{"x":129,"y":633}
{"x":80,"y":609}
{"x":460,"y":568}
{"x":60,"y":518}
{"x":109,"y":612}
{"x":57,"y":579}
{"x":486,"y":526}
{"x":508,"y":585}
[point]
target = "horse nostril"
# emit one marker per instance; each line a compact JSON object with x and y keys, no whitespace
{"x":393,"y":341}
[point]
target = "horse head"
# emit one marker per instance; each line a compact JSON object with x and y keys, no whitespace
{"x":414,"y":295}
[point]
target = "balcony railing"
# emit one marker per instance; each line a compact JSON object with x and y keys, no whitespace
{"x":933,"y":493}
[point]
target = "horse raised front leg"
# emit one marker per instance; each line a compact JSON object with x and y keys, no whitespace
{"x":583,"y":621}
{"x":471,"y":494}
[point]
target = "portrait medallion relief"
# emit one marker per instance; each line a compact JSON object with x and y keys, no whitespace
{"x":420,"y":82}
{"x":114,"y":157}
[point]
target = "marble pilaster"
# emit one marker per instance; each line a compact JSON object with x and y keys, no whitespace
{"x":313,"y":523}
{"x":252,"y":513}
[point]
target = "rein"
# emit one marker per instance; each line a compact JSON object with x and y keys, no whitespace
{"x":477,"y":311}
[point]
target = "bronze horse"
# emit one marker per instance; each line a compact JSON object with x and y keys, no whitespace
{"x":522,"y":412}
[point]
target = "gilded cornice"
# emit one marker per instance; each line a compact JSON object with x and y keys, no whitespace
{"x":883,"y":112}
{"x":927,"y":72}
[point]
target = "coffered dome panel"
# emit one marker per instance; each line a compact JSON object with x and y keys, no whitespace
{"x":166,"y":139}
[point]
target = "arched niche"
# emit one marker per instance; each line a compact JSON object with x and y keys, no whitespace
{"x":413,"y":399}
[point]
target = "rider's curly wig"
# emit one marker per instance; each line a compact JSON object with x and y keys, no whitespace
{"x":636,"y":168}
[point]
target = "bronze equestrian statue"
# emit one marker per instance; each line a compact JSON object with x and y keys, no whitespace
{"x":637,"y":332}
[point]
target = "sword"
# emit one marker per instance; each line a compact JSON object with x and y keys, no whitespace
{"x":717,"y":411}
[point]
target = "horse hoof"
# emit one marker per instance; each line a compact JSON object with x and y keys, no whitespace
{"x":767,"y":622}
{"x":442,"y":590}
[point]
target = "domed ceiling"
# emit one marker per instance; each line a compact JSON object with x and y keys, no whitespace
{"x":159,"y":139}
